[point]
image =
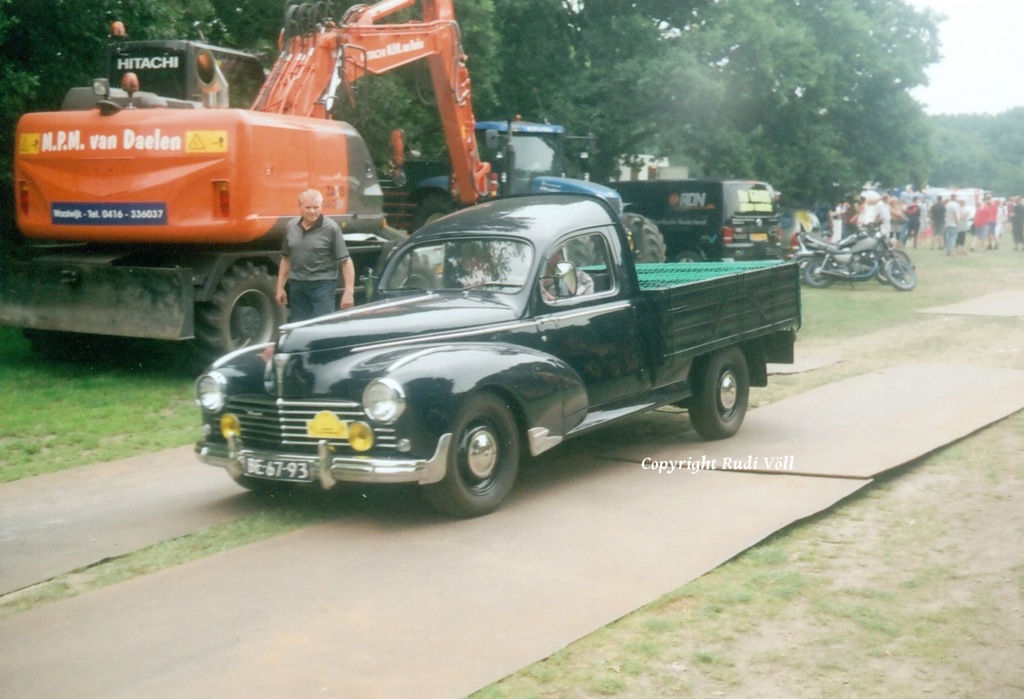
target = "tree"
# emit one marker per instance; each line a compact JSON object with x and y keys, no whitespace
{"x":811,"y":96}
{"x":980,"y":150}
{"x":49,"y":46}
{"x":17,"y":86}
{"x":594,"y":66}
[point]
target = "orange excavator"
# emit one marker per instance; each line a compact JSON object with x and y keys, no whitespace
{"x":160,"y":216}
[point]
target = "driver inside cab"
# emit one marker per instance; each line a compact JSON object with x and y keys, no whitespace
{"x":562,"y":279}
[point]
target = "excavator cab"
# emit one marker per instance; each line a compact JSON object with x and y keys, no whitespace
{"x":172,"y":73}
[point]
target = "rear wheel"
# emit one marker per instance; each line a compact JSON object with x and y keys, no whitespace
{"x":242,"y":313}
{"x":723,"y":389}
{"x":689,"y":256}
{"x":483,"y":461}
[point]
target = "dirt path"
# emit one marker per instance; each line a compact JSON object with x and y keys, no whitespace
{"x":913,"y":587}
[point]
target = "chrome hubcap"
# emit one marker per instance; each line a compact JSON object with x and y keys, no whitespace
{"x":727,"y":391}
{"x":482,"y":453}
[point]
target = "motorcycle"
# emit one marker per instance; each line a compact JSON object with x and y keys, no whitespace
{"x":861,"y":256}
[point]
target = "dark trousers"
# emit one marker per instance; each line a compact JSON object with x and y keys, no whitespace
{"x":307,"y":300}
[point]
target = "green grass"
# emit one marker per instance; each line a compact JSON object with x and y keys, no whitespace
{"x":848,"y":310}
{"x":62,"y":414}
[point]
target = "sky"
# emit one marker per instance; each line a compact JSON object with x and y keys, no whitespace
{"x":982,"y":48}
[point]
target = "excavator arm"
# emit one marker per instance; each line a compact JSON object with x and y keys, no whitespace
{"x":320,"y":55}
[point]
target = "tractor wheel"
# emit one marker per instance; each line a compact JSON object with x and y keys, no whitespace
{"x":646,"y":240}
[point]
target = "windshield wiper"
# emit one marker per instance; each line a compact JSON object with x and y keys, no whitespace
{"x":504,"y":285}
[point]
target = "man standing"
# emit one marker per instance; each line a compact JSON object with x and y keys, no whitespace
{"x":937,"y":213}
{"x":955,"y":216}
{"x":312,"y":253}
{"x":1017,"y":222}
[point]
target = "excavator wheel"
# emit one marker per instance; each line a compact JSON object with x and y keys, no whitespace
{"x":243,"y":311}
{"x":646,"y":240}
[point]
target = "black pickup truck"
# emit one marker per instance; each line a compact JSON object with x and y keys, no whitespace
{"x":499,"y":332}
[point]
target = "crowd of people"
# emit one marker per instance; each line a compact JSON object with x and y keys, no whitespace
{"x":954,"y":223}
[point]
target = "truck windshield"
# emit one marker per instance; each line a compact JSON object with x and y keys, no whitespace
{"x":491,"y":264}
{"x":536,"y":155}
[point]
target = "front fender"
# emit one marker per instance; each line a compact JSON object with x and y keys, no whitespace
{"x":548,"y":396}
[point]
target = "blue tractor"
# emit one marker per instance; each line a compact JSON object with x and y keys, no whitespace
{"x":525,"y":157}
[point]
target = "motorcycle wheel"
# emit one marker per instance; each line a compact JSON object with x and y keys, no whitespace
{"x":901,"y":274}
{"x":812,"y":276}
{"x":901,"y":255}
{"x":881,"y":276}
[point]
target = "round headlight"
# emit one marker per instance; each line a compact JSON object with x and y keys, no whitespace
{"x":211,"y":392}
{"x":384,"y":400}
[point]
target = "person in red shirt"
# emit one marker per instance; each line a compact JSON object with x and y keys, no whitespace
{"x":985,"y":224}
{"x":993,"y":222}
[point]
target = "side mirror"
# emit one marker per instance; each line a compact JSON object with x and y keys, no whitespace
{"x":566,"y":281}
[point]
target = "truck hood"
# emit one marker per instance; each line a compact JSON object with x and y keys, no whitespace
{"x":430,"y":316}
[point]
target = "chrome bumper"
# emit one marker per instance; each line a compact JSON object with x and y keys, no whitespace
{"x":333,"y":469}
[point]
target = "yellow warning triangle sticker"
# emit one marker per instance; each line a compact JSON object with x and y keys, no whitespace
{"x":206,"y":141}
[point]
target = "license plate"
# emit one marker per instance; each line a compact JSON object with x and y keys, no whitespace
{"x":759,"y":237}
{"x":279,"y":469}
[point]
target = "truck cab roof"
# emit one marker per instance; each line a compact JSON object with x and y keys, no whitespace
{"x":542,"y":218}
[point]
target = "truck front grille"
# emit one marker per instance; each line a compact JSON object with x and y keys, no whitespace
{"x":279,"y":424}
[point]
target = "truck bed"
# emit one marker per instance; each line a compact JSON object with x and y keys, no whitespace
{"x":699,"y":307}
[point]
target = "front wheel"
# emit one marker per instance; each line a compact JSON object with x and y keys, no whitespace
{"x":483,"y":461}
{"x":812,"y":276}
{"x":722,"y":392}
{"x":900,"y":274}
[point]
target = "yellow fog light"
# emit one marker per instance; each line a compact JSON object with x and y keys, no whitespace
{"x":230,"y":426}
{"x":360,"y":436}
